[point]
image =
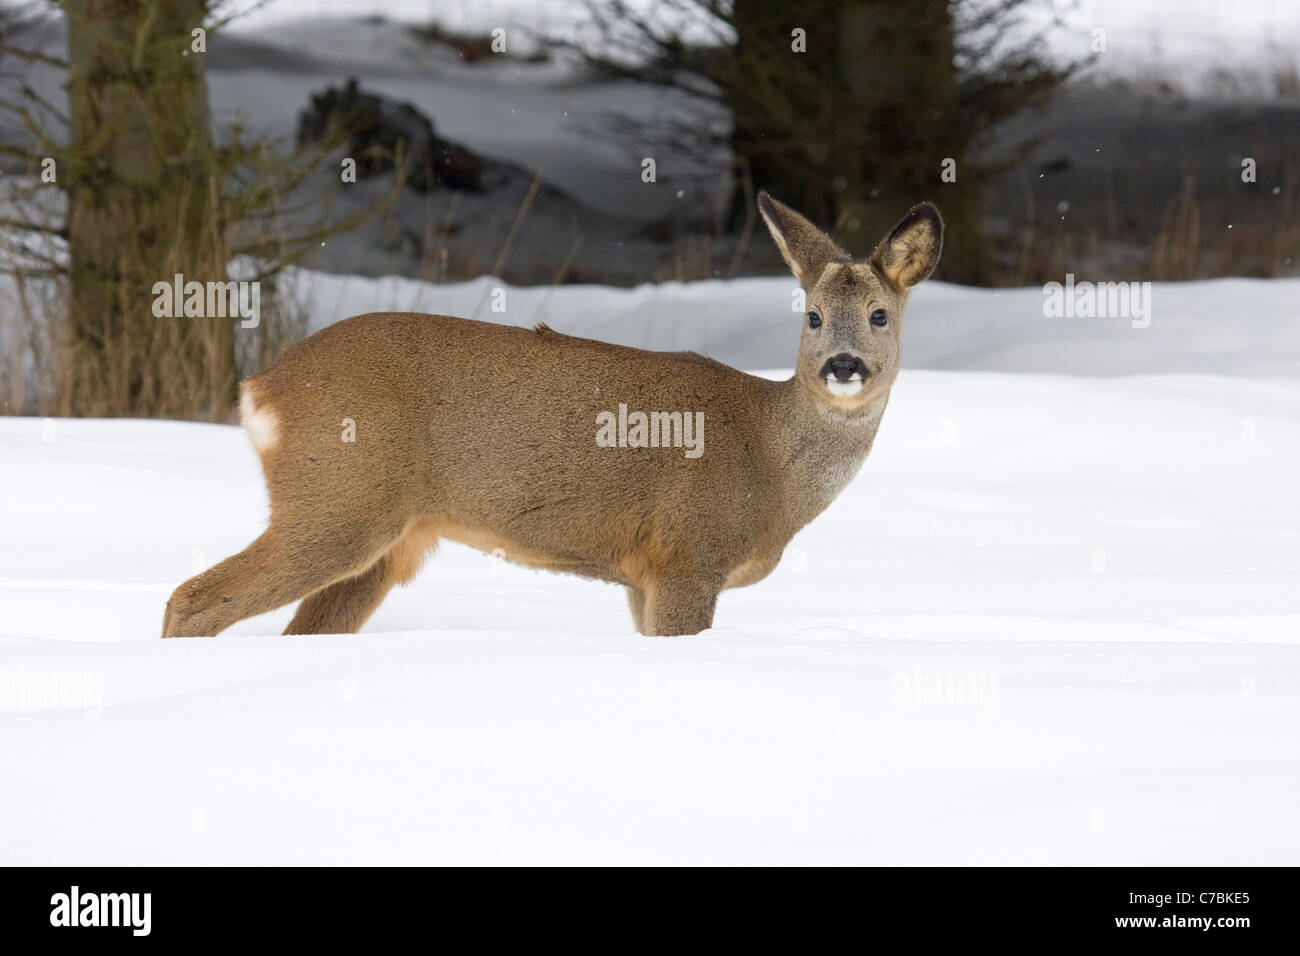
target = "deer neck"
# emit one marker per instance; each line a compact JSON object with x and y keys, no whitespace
{"x":818,"y":448}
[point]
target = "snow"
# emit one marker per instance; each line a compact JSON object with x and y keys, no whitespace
{"x":1194,"y":41}
{"x":1054,"y":620}
{"x":1236,"y":327}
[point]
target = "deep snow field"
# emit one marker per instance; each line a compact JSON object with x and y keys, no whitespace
{"x":1056,"y":619}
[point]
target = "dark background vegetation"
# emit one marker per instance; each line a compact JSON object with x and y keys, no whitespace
{"x":1056,"y":171}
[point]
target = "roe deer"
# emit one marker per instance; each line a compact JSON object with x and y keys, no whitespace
{"x":487,"y":434}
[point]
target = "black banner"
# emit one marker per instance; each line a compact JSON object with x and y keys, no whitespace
{"x":1172,"y":907}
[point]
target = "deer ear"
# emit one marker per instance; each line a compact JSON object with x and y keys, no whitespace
{"x":911,"y":251}
{"x":806,"y":249}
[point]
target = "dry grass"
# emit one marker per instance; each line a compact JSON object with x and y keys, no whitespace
{"x":58,"y":363}
{"x":1202,"y":231}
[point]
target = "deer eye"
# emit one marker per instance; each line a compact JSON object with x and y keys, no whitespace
{"x":880,"y":318}
{"x":814,"y":320}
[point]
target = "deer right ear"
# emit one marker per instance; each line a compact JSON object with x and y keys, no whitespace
{"x":806,"y":249}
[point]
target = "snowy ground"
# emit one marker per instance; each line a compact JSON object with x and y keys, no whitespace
{"x":1061,"y":628}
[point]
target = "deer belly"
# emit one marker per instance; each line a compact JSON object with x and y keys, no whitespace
{"x":751,"y":571}
{"x":544,"y":558}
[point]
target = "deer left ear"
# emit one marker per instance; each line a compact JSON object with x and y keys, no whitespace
{"x":911,"y":251}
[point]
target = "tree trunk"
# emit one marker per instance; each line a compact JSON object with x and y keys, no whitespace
{"x":143,"y":205}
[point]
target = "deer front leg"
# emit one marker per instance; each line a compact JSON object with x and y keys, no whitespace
{"x":679,"y":604}
{"x":636,"y":601}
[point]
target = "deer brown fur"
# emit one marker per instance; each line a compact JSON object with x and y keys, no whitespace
{"x":486,"y":434}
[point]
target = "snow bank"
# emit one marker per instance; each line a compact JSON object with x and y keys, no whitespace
{"x":1239,"y":327}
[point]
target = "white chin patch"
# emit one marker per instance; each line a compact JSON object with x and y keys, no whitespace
{"x":844,"y":389}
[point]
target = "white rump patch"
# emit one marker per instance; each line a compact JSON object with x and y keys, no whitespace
{"x":262,"y":424}
{"x":844,"y":389}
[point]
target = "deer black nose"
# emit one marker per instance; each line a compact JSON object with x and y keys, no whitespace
{"x":844,"y":366}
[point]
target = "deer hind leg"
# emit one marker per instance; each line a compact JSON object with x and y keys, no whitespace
{"x":285,"y":563}
{"x":679,"y":604}
{"x":342,"y":607}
